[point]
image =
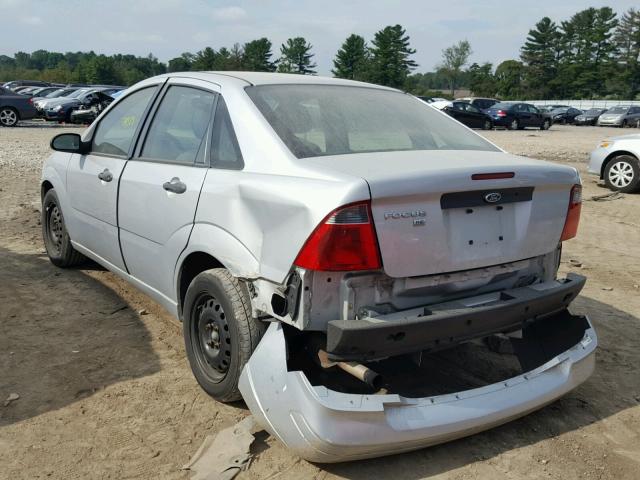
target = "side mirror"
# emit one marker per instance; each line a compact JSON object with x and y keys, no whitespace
{"x":69,"y":142}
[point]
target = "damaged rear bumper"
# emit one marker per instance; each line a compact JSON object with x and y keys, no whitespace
{"x":323,"y":425}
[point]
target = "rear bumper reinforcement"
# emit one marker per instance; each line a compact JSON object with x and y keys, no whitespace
{"x":449,"y":323}
{"x":326,"y":426}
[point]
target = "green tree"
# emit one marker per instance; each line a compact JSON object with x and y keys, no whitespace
{"x":101,"y":70}
{"x":627,"y":42}
{"x":481,"y":80}
{"x":205,"y":59}
{"x":454,"y":58}
{"x":352,"y":60}
{"x":296,"y":57}
{"x":182,"y":63}
{"x":390,"y":62}
{"x":509,"y":76}
{"x":257,"y":56}
{"x":540,"y":56}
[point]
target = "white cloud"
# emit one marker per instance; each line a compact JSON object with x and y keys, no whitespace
{"x":229,"y":14}
{"x":31,"y":20}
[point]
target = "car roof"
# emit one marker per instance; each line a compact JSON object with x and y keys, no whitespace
{"x":265,"y":78}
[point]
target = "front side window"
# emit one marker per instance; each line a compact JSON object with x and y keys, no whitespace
{"x":179,"y":125}
{"x":317,"y":120}
{"x":114,"y":135}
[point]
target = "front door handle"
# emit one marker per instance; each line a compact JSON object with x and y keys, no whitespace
{"x":174,"y":186}
{"x":105,"y":175}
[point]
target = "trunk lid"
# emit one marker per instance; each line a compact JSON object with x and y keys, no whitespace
{"x":432,"y":217}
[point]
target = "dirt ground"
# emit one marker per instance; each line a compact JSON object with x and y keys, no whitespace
{"x":106,"y":392}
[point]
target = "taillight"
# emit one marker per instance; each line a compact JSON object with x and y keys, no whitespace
{"x":573,"y":214}
{"x":344,"y":241}
{"x":501,"y":113}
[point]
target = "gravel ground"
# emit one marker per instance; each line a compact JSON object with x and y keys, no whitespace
{"x":106,"y":392}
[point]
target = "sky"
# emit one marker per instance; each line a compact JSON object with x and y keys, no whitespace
{"x":496,"y":29}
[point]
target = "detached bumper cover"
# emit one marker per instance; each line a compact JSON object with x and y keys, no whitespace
{"x":449,"y":323}
{"x":326,"y":426}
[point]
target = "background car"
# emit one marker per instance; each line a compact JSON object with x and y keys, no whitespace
{"x":60,"y":109}
{"x":14,"y":107}
{"x":617,"y":162}
{"x":620,"y":116}
{"x":38,"y":91}
{"x":25,"y":83}
{"x":483,"y":104}
{"x":550,"y":108}
{"x":564,"y":115}
{"x":517,"y":116}
{"x":468,"y":114}
{"x":589,"y":117}
{"x":59,"y":92}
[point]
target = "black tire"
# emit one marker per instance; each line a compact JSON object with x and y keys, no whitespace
{"x":487,"y":125}
{"x":545,"y":125}
{"x":9,"y":117}
{"x":514,"y":125}
{"x":54,"y":234}
{"x":220,"y":334}
{"x":622,"y":174}
{"x":624,"y":124}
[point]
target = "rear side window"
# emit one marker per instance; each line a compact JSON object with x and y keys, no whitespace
{"x":225,"y":152}
{"x":114,"y":135}
{"x":179,"y":125}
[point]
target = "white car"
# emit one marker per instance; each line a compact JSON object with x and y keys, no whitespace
{"x":616,"y":161}
{"x":319,"y":238}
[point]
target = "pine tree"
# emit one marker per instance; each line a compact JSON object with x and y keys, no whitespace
{"x":352,"y":60}
{"x":509,"y":76}
{"x":390,"y":62}
{"x":296,"y":57}
{"x":627,"y":42}
{"x":257,"y":56}
{"x":540,"y":55}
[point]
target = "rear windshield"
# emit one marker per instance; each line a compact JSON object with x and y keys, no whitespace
{"x":502,"y":106}
{"x":318,"y":120}
{"x":618,"y":110}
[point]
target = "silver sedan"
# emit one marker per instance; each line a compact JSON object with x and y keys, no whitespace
{"x":616,"y":161}
{"x":319,"y":238}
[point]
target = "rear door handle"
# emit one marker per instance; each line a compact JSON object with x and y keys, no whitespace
{"x":105,"y":175}
{"x":174,"y":186}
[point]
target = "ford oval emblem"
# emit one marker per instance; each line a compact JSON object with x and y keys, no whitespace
{"x":492,"y":197}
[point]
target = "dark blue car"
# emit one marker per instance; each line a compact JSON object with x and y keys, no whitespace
{"x":14,"y":107}
{"x":518,"y":116}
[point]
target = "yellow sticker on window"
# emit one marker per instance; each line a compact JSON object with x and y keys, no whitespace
{"x":128,"y":121}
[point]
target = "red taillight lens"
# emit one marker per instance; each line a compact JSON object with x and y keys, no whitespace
{"x":502,"y":113}
{"x":344,"y":241}
{"x":573,"y":214}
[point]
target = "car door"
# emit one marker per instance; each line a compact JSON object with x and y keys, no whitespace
{"x":160,"y":186}
{"x":476,"y":117}
{"x":535,"y":116}
{"x":92,"y":179}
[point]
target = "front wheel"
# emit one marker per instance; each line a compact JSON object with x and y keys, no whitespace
{"x":622,"y":174}
{"x":220,"y":334}
{"x":545,"y":125}
{"x":55,"y":235}
{"x":488,"y":125}
{"x":8,"y":117}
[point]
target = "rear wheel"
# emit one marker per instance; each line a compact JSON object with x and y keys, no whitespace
{"x":514,"y":125}
{"x":622,"y":174}
{"x":55,"y":235}
{"x":8,"y":117}
{"x":220,"y":334}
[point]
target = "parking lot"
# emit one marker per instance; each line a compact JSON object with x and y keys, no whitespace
{"x":105,"y":390}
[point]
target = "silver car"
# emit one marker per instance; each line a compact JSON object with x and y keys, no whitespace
{"x":320,"y":239}
{"x":620,"y":116}
{"x":616,"y":161}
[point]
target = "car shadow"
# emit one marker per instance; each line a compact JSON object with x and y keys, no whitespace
{"x":63,"y":336}
{"x":614,"y":387}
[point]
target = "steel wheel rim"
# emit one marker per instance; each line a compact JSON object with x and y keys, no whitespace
{"x":621,"y":174}
{"x":514,"y":125}
{"x":8,"y":117}
{"x":55,"y":228}
{"x":211,"y":337}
